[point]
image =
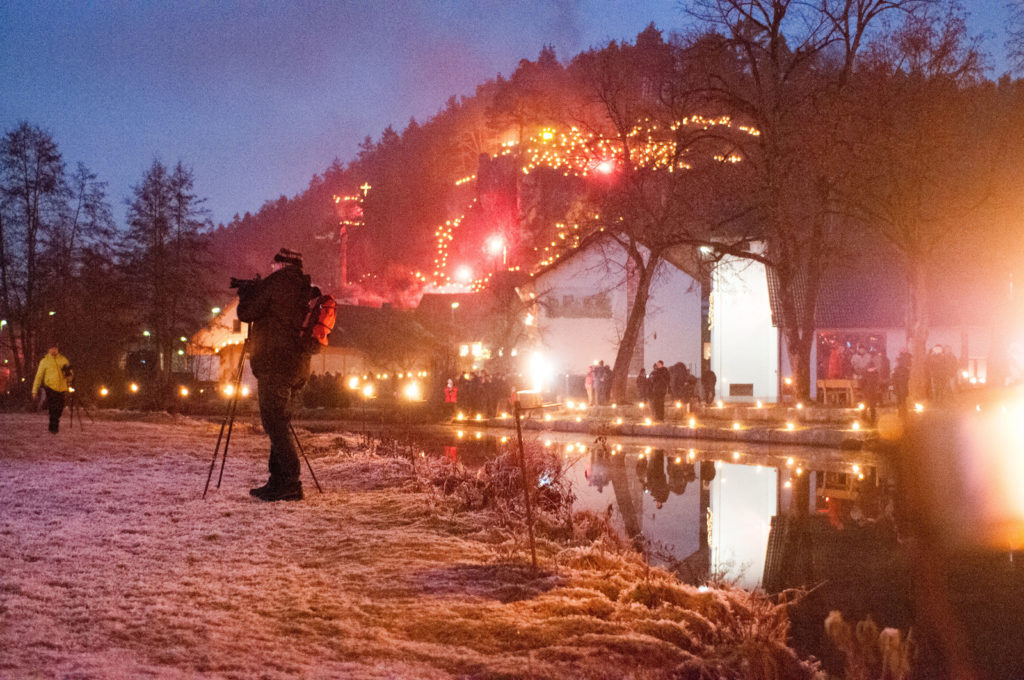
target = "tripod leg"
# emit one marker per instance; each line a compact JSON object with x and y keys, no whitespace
{"x":231,"y":426}
{"x":229,"y":421}
{"x":216,"y":450}
{"x":308,"y":466}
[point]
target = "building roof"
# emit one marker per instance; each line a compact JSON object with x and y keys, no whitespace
{"x":875,"y":295}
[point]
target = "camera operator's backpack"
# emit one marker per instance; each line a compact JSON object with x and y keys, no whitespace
{"x":319,"y":321}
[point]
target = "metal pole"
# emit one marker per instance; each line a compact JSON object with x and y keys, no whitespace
{"x":526,"y":486}
{"x":308,"y":466}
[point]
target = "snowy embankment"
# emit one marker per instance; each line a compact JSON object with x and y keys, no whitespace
{"x":112,"y":565}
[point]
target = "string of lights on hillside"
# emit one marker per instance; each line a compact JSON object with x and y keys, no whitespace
{"x":576,"y":153}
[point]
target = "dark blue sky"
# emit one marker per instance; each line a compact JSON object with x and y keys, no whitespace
{"x":256,"y":97}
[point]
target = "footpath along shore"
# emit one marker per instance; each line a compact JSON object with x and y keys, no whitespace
{"x":787,"y":424}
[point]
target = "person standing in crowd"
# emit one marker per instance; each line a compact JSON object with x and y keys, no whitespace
{"x":901,"y":381}
{"x":602,"y":382}
{"x":708,"y":380}
{"x":860,"y":362}
{"x":643,"y":386}
{"x":835,"y":360}
{"x":884,"y":375}
{"x":275,"y":308}
{"x":870,"y":385}
{"x":942,"y":367}
{"x":451,"y":398}
{"x":589,"y":383}
{"x":660,"y":380}
{"x":54,"y":375}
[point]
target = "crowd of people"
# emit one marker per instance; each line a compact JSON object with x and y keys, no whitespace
{"x":677,"y":382}
{"x":878,"y":382}
{"x":481,"y":392}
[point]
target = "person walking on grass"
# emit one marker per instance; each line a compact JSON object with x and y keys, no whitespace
{"x":54,"y":375}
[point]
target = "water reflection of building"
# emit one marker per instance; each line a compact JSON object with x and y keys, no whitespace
{"x":710,"y":516}
{"x":713,"y":517}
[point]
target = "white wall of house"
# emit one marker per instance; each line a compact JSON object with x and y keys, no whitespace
{"x":672,"y":324}
{"x":744,"y":344}
{"x":584,"y":303}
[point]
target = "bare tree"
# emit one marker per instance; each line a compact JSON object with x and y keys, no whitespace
{"x":785,"y":67}
{"x":31,"y":194}
{"x":1015,"y":35}
{"x":651,"y":174}
{"x":928,"y":148}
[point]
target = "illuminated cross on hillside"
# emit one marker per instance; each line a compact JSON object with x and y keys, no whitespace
{"x":365,"y":188}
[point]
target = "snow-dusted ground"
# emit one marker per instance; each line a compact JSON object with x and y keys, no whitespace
{"x":112,"y":566}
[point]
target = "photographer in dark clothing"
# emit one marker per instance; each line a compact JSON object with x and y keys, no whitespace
{"x":276,"y":307}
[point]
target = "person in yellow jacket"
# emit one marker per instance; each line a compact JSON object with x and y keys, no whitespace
{"x":54,"y":374}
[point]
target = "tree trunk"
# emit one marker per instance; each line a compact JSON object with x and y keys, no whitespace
{"x":798,"y":348}
{"x":634,"y":321}
{"x":917,"y":328}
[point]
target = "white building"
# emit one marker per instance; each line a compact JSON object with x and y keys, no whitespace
{"x":744,"y":343}
{"x":582,"y":302}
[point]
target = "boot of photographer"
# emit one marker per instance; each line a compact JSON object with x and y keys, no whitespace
{"x":54,"y":376}
{"x":275,"y":307}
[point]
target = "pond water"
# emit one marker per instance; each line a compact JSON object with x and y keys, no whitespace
{"x":707,"y":507}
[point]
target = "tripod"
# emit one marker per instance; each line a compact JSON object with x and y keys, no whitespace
{"x":229,"y":423}
{"x":76,"y":408}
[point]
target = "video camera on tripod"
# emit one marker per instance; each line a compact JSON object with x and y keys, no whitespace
{"x":243,"y":285}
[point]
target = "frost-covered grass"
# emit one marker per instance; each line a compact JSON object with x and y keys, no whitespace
{"x":112,"y":565}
